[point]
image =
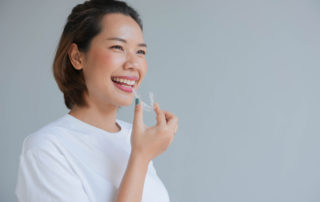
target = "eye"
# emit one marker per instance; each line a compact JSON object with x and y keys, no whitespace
{"x":117,"y":47}
{"x":142,"y":52}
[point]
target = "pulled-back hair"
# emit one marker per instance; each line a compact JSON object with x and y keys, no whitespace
{"x":82,"y":25}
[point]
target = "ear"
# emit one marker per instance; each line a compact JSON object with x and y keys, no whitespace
{"x":76,"y":57}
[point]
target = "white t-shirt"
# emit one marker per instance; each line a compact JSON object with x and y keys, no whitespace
{"x":69,"y":160}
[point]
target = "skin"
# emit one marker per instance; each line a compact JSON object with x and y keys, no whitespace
{"x":107,"y":58}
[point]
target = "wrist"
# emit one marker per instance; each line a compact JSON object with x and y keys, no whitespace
{"x":138,"y":158}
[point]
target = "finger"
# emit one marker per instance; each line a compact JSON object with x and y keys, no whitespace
{"x":168,"y":115}
{"x":161,"y":120}
{"x":138,"y":114}
{"x":172,"y":120}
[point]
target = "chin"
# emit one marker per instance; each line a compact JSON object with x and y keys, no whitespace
{"x":124,"y":103}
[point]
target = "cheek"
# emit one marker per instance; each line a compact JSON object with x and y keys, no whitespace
{"x":106,"y":60}
{"x":145,"y":66}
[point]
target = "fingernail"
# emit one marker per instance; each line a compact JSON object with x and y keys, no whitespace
{"x":137,"y":101}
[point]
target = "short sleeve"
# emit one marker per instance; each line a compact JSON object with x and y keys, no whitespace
{"x":46,"y":176}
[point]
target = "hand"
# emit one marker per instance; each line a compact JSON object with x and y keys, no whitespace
{"x":149,"y":142}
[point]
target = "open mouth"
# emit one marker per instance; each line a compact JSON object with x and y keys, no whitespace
{"x":124,"y":84}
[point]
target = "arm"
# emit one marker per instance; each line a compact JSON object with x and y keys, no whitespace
{"x":132,"y":183}
{"x":45,"y":175}
{"x":147,"y":143}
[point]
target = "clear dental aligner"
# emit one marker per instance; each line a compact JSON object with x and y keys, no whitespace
{"x":146,"y":107}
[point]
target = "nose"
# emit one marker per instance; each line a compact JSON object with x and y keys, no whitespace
{"x":131,"y":61}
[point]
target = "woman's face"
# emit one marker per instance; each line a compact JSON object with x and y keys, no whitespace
{"x":117,"y":52}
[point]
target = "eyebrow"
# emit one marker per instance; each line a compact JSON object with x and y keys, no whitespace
{"x":124,"y":41}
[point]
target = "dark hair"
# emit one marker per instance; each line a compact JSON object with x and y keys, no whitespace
{"x":83,"y":24}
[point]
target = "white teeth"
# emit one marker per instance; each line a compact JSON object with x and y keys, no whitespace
{"x":129,"y":82}
{"x":126,"y":86}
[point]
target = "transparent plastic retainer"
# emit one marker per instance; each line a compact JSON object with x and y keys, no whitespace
{"x":146,"y":107}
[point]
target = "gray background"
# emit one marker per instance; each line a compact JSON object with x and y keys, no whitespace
{"x":242,"y":76}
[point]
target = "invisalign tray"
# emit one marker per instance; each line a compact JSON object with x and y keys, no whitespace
{"x":146,"y":107}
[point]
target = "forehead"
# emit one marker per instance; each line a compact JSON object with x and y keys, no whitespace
{"x":122,"y":26}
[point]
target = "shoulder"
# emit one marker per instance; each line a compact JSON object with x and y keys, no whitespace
{"x":45,"y":138}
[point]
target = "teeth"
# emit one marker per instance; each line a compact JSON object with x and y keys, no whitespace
{"x":126,"y":86}
{"x":129,"y":82}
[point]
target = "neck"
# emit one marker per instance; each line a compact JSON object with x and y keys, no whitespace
{"x":103,"y":118}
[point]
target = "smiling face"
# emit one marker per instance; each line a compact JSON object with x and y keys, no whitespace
{"x":115,"y":62}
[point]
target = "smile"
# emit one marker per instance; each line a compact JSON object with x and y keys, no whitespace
{"x":124,"y":84}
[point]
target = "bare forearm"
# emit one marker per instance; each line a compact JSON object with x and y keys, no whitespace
{"x":132,"y":183}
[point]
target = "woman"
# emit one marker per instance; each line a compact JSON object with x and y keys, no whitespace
{"x":88,"y":154}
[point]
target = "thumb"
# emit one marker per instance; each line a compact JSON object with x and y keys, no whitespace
{"x":138,"y":114}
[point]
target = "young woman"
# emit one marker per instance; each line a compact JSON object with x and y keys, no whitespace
{"x":88,"y":154}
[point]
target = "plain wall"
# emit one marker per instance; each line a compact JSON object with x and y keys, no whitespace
{"x":242,"y":76}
